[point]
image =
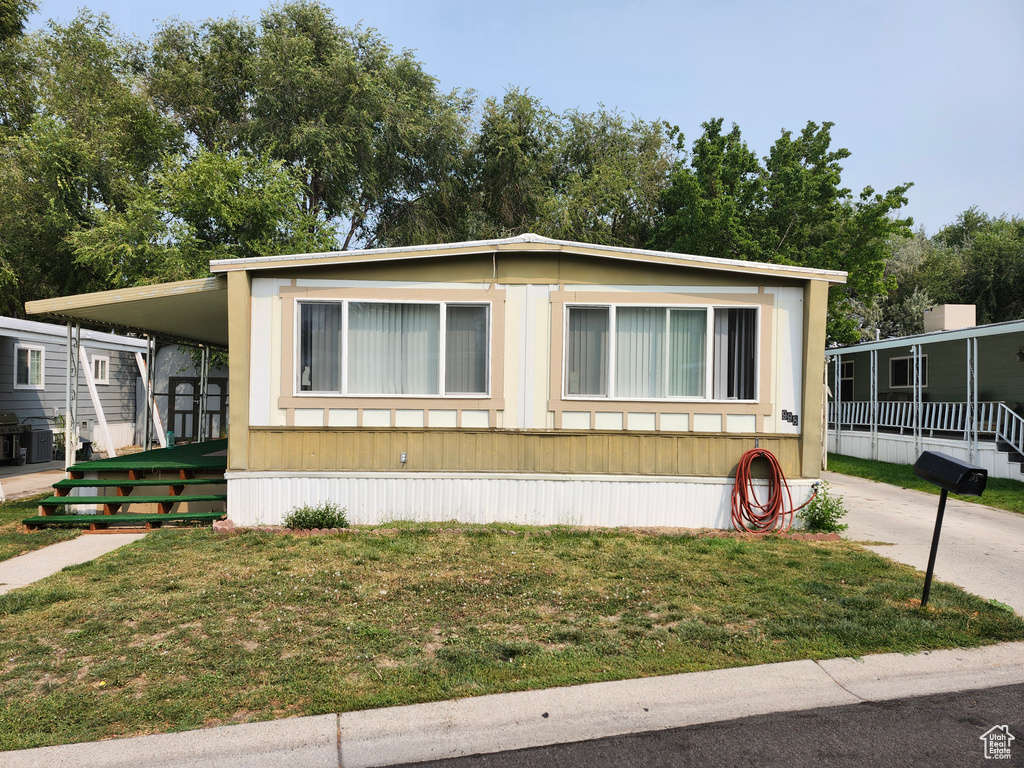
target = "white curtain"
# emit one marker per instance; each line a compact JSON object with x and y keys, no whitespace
{"x":393,"y":348}
{"x":640,"y":352}
{"x":688,"y":330}
{"x":320,"y":347}
{"x":465,"y":365}
{"x":586,"y":351}
{"x":735,"y":353}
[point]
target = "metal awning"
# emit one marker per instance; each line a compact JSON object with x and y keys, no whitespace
{"x":190,"y":311}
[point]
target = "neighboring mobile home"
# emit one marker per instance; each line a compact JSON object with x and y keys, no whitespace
{"x":958,"y":391}
{"x":33,"y":379}
{"x":524,"y":379}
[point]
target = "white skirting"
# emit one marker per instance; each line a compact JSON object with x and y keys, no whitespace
{"x":900,"y":449}
{"x":263,"y":498}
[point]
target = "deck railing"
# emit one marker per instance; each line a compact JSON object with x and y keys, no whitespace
{"x":1009,"y":427}
{"x":993,"y":418}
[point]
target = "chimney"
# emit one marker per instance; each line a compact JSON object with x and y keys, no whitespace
{"x":949,"y":317}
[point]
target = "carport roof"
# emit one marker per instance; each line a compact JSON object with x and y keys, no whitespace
{"x":190,"y":311}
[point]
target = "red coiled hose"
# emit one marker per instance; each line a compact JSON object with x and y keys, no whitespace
{"x":752,"y":516}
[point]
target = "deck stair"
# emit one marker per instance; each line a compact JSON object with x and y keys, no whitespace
{"x":1012,"y":454}
{"x":156,"y":478}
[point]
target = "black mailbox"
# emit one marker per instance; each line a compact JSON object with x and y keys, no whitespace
{"x":951,"y":474}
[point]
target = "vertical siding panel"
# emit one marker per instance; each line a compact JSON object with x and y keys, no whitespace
{"x":665,"y":459}
{"x":515,"y":452}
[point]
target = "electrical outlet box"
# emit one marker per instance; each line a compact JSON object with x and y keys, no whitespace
{"x":403,"y":457}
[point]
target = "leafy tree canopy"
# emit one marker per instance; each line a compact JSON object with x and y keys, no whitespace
{"x":787,"y":208}
{"x":978,"y":259}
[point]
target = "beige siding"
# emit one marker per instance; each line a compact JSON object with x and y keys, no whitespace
{"x":357,"y":450}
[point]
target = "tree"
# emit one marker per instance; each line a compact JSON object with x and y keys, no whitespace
{"x":900,"y":311}
{"x":363,"y":126}
{"x":788,"y":208}
{"x":593,"y":177}
{"x":200,"y":206}
{"x":94,"y":138}
{"x":17,"y":98}
{"x":989,"y":252}
{"x":608,"y":179}
{"x":201,"y":76}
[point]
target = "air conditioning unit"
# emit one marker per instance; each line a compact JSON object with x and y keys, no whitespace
{"x":39,"y":443}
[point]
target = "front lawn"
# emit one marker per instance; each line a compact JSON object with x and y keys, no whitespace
{"x":13,"y":539}
{"x":186,"y":629}
{"x":999,"y":492}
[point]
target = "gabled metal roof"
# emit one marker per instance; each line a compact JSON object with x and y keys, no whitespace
{"x":527,"y":242}
{"x":195,"y":311}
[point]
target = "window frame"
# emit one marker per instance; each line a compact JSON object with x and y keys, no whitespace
{"x":709,"y":341}
{"x":30,"y":348}
{"x":105,"y":359}
{"x":843,"y":377}
{"x":910,"y":372}
{"x":442,"y":304}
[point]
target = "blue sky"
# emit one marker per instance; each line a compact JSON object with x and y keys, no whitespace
{"x":925,"y":91}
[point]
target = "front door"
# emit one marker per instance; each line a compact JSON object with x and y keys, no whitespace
{"x":183,"y":407}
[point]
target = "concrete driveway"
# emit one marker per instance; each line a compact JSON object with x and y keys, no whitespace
{"x":981,"y":549}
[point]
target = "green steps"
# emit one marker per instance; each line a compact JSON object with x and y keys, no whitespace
{"x":124,"y":500}
{"x":137,"y":477}
{"x":126,"y":483}
{"x":197,"y":457}
{"x":100,"y":522}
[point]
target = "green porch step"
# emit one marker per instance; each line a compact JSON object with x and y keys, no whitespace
{"x":126,"y":483}
{"x":124,"y":500}
{"x":104,"y":521}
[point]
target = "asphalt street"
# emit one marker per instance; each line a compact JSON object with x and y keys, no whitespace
{"x":933,"y":731}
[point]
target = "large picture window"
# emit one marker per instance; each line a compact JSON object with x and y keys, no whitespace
{"x":380,"y":348}
{"x":652,"y":353}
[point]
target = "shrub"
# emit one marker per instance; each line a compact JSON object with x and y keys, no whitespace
{"x":822,"y":515}
{"x":327,"y":514}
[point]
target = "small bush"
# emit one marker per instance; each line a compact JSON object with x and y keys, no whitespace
{"x":822,"y":515}
{"x":324,"y":515}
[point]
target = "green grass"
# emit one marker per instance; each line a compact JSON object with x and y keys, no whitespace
{"x":999,"y":492}
{"x":14,"y":541}
{"x":187,"y":629}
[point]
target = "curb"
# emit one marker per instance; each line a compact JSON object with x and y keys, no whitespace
{"x":509,"y":721}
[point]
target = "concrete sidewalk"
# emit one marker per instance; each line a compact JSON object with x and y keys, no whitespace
{"x":510,"y":721}
{"x":29,"y":479}
{"x":24,"y":569}
{"x":980,"y":549}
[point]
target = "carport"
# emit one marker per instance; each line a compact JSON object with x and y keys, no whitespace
{"x":191,"y":313}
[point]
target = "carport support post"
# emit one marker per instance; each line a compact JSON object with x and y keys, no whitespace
{"x":204,"y":377}
{"x":935,"y":548}
{"x":837,"y":401}
{"x":71,"y":396}
{"x":874,"y":404}
{"x":918,"y":396}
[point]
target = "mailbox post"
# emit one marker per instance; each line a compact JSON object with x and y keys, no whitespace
{"x":951,"y":475}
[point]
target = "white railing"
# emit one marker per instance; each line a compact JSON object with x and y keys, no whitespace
{"x":1009,"y":427}
{"x":994,"y":418}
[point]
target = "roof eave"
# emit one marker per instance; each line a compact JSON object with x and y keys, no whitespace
{"x":525,"y":243}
